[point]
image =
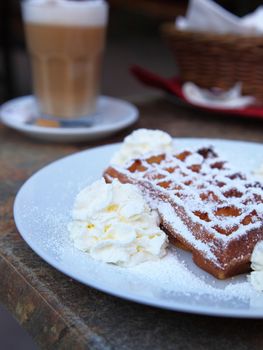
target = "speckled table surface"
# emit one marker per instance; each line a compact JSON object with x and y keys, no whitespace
{"x":60,"y":313}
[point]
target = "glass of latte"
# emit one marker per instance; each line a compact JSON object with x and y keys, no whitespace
{"x":65,"y":39}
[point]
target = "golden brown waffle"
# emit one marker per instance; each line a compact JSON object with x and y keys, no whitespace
{"x":210,"y":209}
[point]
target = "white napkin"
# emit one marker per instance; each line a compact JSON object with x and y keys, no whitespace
{"x":217,"y":98}
{"x":206,"y":15}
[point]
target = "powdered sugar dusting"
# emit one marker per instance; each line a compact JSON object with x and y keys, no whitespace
{"x":203,"y":202}
{"x":172,"y":275}
{"x":206,"y":184}
{"x":167,"y":212}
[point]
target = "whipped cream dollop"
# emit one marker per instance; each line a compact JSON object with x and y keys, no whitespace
{"x":142,"y":141}
{"x":114,"y":224}
{"x":256,"y":276}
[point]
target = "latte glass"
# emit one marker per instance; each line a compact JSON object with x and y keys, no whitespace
{"x":65,"y":40}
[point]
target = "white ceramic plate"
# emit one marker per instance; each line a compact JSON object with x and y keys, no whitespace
{"x":112,"y":115}
{"x":42,"y":212}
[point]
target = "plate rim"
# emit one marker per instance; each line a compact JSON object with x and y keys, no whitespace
{"x":150,"y":301}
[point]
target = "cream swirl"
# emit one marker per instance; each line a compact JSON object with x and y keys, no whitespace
{"x":114,"y":224}
{"x":142,"y":141}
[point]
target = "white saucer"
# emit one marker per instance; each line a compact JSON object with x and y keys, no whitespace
{"x":112,"y":115}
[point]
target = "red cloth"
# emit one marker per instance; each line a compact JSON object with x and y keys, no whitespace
{"x":174,"y":87}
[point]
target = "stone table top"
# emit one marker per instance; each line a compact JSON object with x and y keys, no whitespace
{"x":60,"y":313}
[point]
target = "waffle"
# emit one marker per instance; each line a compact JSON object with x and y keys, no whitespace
{"x":205,"y":206}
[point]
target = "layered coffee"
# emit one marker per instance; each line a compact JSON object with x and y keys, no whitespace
{"x":66,"y":41}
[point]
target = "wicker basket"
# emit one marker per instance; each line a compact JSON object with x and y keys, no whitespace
{"x":218,"y":60}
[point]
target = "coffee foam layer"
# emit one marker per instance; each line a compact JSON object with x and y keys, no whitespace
{"x":65,"y":12}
